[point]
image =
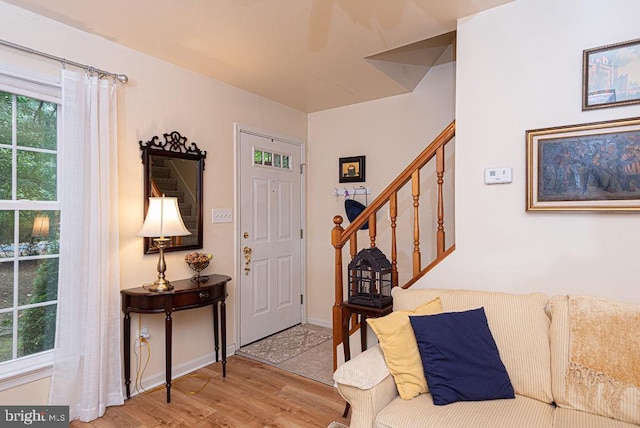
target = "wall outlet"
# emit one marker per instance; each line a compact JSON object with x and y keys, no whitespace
{"x":144,"y":332}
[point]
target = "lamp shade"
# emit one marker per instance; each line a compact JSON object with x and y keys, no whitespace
{"x":40,"y":225}
{"x":163,"y":219}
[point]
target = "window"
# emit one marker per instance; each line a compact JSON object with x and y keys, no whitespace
{"x":263,"y":157}
{"x":29,"y":228}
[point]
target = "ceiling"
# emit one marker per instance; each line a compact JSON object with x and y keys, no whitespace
{"x":310,"y":55}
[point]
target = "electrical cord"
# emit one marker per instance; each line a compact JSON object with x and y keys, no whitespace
{"x":137,"y":344}
{"x":192,"y":375}
{"x":139,"y":369}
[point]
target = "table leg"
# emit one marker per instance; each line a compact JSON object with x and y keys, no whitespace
{"x":346,"y":410}
{"x":223,"y":323}
{"x":127,"y":353}
{"x":346,"y":347}
{"x":215,"y":328}
{"x":363,"y":333}
{"x":345,"y":334}
{"x":167,"y":333}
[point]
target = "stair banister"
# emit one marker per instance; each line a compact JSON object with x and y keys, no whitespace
{"x":447,"y":134}
{"x":340,"y":235}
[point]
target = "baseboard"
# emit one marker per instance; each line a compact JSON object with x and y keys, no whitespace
{"x":319,"y":322}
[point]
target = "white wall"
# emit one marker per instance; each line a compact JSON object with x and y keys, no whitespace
{"x":520,"y":68}
{"x":390,"y":132}
{"x":159,"y":97}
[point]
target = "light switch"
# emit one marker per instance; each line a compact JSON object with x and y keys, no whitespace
{"x":498,"y":175}
{"x":221,"y":215}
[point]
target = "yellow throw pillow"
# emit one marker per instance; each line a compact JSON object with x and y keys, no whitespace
{"x":400,"y":349}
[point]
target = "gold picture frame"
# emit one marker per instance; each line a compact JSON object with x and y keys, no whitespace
{"x":592,"y":167}
{"x":609,"y":75}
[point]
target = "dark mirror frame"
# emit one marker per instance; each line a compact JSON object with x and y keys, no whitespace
{"x":173,"y":147}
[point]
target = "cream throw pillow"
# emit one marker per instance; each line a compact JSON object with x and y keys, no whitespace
{"x":400,"y":349}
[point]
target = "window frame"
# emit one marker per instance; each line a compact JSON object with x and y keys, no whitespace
{"x":21,"y":370}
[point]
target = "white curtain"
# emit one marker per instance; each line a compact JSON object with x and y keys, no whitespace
{"x":87,"y":357}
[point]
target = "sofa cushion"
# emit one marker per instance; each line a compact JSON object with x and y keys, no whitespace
{"x":518,"y":323}
{"x":400,"y":349}
{"x":596,"y":356}
{"x":567,"y":418}
{"x":420,"y":412}
{"x":460,"y":358}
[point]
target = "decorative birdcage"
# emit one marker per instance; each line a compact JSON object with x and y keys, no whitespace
{"x":370,"y":279}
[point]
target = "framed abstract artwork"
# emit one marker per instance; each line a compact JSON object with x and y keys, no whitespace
{"x":611,"y":75}
{"x":591,"y":167}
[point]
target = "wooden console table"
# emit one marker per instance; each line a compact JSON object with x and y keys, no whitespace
{"x":186,"y":294}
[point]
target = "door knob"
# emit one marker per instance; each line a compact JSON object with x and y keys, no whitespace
{"x":247,"y":259}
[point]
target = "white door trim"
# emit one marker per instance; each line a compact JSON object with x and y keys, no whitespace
{"x":237,"y":259}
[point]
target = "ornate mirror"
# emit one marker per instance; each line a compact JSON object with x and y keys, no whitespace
{"x":174,"y":169}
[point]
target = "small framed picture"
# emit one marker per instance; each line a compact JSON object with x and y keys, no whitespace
{"x":351,"y":170}
{"x":593,"y":167}
{"x":610,"y":75}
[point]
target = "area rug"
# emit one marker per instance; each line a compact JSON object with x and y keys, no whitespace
{"x":305,"y":350}
{"x":337,"y":425}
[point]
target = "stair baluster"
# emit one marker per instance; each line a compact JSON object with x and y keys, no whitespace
{"x":339,"y":235}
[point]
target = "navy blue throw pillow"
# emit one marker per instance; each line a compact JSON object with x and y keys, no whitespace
{"x":460,"y":358}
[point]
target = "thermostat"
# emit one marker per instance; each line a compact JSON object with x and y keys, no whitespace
{"x":498,"y":175}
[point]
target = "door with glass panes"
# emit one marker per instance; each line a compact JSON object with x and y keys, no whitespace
{"x":270,"y":235}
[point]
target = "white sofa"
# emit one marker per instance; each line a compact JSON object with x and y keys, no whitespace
{"x":573,"y":361}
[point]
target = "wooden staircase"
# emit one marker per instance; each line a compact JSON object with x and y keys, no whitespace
{"x":409,"y":177}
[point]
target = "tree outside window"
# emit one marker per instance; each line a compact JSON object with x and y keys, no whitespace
{"x":29,"y":225}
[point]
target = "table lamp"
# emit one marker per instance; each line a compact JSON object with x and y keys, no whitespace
{"x":163,"y":221}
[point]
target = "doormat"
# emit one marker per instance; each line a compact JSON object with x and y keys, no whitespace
{"x":287,"y":344}
{"x":305,"y":350}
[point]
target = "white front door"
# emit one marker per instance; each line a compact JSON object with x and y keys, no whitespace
{"x":270,"y":235}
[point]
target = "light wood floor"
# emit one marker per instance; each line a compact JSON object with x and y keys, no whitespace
{"x":252,"y":395}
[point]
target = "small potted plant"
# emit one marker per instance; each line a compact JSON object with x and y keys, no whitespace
{"x":198,"y":262}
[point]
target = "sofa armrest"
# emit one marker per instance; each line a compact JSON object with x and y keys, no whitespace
{"x":366,"y":383}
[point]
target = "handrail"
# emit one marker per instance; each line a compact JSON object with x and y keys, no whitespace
{"x":430,"y":266}
{"x":340,"y":236}
{"x":427,"y":154}
{"x":155,"y":189}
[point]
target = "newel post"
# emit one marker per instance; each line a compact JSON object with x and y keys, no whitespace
{"x":336,"y":234}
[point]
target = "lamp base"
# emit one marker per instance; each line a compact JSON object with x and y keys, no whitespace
{"x":159,"y":286}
